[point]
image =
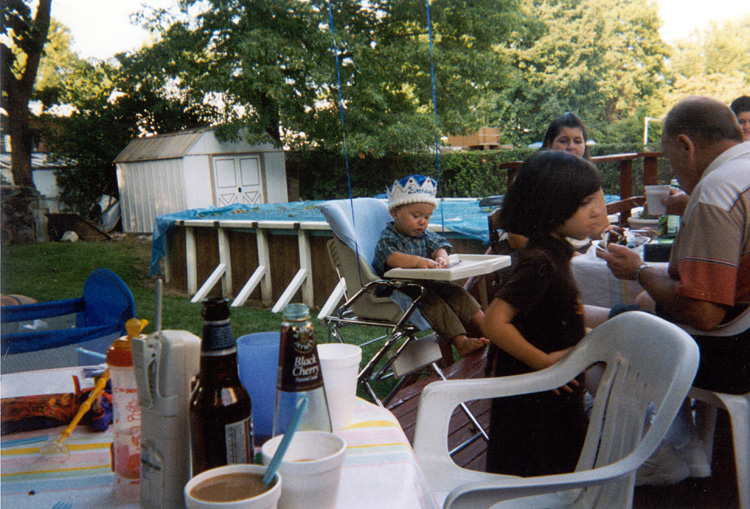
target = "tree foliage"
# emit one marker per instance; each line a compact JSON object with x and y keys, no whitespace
{"x":267,"y":68}
{"x":271,"y":65}
{"x":113,"y":104}
{"x":602,"y":60}
{"x":714,"y":62}
{"x":57,"y":66}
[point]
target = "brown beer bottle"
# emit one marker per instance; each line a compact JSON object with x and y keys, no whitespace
{"x":221,"y":429}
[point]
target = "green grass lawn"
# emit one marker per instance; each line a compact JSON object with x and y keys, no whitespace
{"x":57,"y":270}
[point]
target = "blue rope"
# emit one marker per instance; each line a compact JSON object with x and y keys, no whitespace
{"x":434,"y":106}
{"x":341,"y":103}
{"x":343,"y":126}
{"x":343,"y":136}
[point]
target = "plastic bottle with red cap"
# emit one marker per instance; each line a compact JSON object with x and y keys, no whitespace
{"x":126,"y":441}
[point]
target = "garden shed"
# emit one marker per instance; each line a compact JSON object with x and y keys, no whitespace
{"x":190,"y":169}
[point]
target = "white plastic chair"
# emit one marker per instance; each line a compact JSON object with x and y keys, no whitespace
{"x":650,"y":365}
{"x":738,"y":407}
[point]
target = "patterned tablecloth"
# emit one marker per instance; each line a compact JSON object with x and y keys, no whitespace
{"x":380,"y":470}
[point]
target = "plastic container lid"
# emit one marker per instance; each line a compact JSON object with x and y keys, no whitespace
{"x":119,"y":354}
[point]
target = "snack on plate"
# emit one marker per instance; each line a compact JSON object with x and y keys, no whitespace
{"x":613,"y":237}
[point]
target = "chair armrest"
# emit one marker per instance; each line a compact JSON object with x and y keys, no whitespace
{"x":734,"y":327}
{"x":30,"y":312}
{"x":486,"y":493}
{"x":42,"y":340}
{"x":439,"y":399}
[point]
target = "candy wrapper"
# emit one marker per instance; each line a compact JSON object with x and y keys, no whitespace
{"x":27,"y":413}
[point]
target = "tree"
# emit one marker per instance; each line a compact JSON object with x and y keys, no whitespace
{"x":19,"y":63}
{"x":58,"y":63}
{"x":602,"y":60}
{"x":269,"y":68}
{"x":113,"y":104}
{"x":714,"y":62}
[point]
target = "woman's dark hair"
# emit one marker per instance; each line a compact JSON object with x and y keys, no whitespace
{"x":740,"y":105}
{"x":567,"y":119}
{"x":547,"y":191}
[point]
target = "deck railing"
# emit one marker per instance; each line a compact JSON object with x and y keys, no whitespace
{"x":650,"y":160}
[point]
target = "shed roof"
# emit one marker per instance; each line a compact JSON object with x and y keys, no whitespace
{"x":162,"y":146}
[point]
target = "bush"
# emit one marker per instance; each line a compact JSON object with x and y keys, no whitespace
{"x":322,"y":175}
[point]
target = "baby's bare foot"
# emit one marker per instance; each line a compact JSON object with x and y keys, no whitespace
{"x":466,"y":345}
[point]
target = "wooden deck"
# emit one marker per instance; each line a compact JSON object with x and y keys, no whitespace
{"x":717,"y":491}
{"x":404,"y":407}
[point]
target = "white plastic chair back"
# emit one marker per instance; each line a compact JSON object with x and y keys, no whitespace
{"x":650,"y":365}
{"x":738,"y":407}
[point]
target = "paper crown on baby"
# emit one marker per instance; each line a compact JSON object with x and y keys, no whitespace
{"x":412,"y":189}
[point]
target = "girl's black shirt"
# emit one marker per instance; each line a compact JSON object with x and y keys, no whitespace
{"x":543,"y":290}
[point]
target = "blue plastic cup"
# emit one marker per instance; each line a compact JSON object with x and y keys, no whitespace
{"x":258,"y":359}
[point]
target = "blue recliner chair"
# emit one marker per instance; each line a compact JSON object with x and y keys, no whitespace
{"x":96,"y":319}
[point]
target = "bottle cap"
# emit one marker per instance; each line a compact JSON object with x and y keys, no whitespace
{"x":296,"y":311}
{"x":119,"y":353}
{"x":215,"y":309}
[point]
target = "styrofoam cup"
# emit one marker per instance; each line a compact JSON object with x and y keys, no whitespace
{"x":340,"y":365}
{"x":654,"y":199}
{"x":266,"y":500}
{"x":258,"y":364}
{"x":311,"y":469}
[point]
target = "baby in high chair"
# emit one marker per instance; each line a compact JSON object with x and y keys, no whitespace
{"x":407,"y":243}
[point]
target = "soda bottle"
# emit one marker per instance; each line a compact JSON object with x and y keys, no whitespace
{"x":299,"y":374}
{"x":126,"y":442}
{"x":221,"y":429}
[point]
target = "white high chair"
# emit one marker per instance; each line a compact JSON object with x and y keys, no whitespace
{"x":372,"y":301}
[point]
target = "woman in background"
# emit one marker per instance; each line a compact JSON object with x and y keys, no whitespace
{"x":567,"y":133}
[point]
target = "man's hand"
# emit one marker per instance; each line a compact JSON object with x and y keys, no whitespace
{"x":676,"y":201}
{"x":622,"y":261}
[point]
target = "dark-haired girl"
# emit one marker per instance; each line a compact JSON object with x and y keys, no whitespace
{"x":566,"y":134}
{"x":537,"y":315}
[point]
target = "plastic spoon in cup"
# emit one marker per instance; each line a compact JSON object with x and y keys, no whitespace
{"x":275,"y":463}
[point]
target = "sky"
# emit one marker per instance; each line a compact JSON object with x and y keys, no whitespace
{"x":101,"y":28}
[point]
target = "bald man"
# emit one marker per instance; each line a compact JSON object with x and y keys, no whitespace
{"x":708,"y":279}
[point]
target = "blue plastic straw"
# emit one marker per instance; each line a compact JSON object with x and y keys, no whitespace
{"x":92,"y":354}
{"x":285,"y":441}
{"x":23,"y":441}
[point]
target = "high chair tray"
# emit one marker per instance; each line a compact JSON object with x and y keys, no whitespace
{"x":461,"y":266}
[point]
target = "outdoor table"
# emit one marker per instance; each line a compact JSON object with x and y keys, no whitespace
{"x":380,"y":470}
{"x":598,"y":286}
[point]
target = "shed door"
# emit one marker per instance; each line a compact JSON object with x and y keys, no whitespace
{"x":238,"y":180}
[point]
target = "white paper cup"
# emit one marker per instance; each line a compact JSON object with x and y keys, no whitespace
{"x":340,"y":365}
{"x":311,"y":469}
{"x":654,"y":197}
{"x":267,"y":500}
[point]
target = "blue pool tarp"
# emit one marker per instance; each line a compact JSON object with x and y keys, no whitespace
{"x":463,"y":216}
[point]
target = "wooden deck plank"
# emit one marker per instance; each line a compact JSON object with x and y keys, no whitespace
{"x":404,"y":406}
